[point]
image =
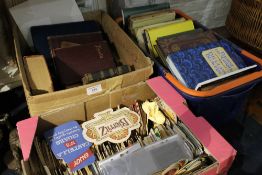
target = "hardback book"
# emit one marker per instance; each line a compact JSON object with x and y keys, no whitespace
{"x":79,"y":38}
{"x":65,"y":44}
{"x":185,"y":40}
{"x":41,"y":33}
{"x":107,"y":73}
{"x":153,"y":33}
{"x":127,"y":12}
{"x":210,"y":84}
{"x":196,"y":65}
{"x":139,"y":33}
{"x":161,"y":56}
{"x":151,"y":18}
{"x":73,"y":63}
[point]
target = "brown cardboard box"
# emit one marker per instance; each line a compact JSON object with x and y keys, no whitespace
{"x":214,"y":144}
{"x":128,"y":52}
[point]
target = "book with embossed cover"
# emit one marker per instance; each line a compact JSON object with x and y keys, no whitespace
{"x":185,"y":40}
{"x":73,"y":63}
{"x":205,"y":62}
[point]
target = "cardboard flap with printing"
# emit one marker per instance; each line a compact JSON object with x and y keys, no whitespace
{"x":168,"y":94}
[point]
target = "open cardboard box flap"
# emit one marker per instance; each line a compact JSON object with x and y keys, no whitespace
{"x":218,"y":147}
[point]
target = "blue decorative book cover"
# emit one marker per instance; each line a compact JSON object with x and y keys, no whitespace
{"x":68,"y":143}
{"x":191,"y":68}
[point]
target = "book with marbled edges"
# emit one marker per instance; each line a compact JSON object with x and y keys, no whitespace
{"x":191,"y":68}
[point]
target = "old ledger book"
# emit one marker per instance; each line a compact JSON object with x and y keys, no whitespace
{"x":153,"y":33}
{"x":74,"y":62}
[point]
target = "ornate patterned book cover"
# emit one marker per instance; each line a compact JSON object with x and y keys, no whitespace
{"x":191,"y":68}
{"x":185,"y":40}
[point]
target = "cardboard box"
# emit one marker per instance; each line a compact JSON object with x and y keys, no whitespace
{"x":214,"y":144}
{"x":128,"y":52}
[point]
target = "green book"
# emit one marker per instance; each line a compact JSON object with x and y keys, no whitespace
{"x":127,"y":12}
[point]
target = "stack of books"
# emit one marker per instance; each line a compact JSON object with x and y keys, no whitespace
{"x":196,"y":57}
{"x":77,"y":52}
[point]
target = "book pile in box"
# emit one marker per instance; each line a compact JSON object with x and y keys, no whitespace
{"x":195,"y":56}
{"x":77,"y":52}
{"x":72,"y":56}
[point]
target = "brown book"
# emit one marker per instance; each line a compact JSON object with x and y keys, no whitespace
{"x":81,"y":38}
{"x":185,"y":40}
{"x":107,"y":73}
{"x":74,"y":62}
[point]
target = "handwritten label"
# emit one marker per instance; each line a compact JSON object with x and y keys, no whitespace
{"x":67,"y":143}
{"x":94,"y":89}
{"x":109,"y":125}
{"x":219,"y":61}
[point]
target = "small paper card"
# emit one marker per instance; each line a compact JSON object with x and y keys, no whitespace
{"x":67,"y":143}
{"x":109,"y":125}
{"x":219,"y":61}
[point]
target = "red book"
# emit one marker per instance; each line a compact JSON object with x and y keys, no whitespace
{"x":74,"y":62}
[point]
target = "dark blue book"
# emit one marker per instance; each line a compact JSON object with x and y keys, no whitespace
{"x":191,"y":68}
{"x":41,"y":33}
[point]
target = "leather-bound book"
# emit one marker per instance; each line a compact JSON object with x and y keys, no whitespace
{"x":74,"y":62}
{"x":185,"y":40}
{"x":41,"y":33}
{"x":107,"y":73}
{"x":79,"y":38}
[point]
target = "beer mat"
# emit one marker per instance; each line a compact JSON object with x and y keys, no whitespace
{"x":109,"y":125}
{"x":68,"y":144}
